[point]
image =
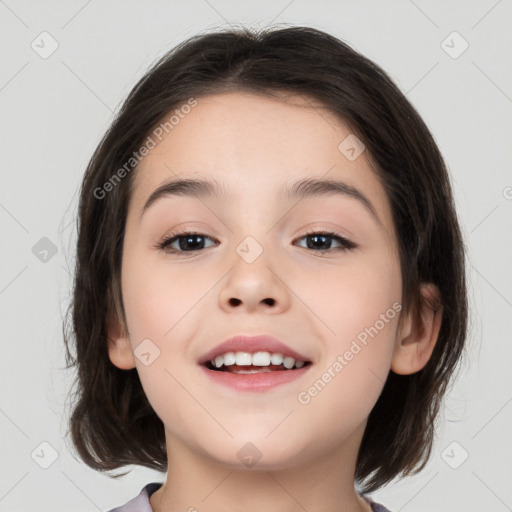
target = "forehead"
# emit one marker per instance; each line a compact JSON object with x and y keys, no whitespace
{"x":255,"y":145}
{"x":242,"y":128}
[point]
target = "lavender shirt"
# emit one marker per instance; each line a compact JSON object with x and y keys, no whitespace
{"x":141,"y":502}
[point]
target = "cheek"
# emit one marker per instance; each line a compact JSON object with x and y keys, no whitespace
{"x":157,"y":297}
{"x":351,"y":375}
{"x":359,"y":308}
{"x":349,"y":298}
{"x":367,"y":308}
{"x":162,"y":304}
{"x":153,"y":315}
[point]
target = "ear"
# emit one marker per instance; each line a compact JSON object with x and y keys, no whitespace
{"x":119,"y":347}
{"x":419,"y":334}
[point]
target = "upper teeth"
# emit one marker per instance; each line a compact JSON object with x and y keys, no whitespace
{"x":256,"y":359}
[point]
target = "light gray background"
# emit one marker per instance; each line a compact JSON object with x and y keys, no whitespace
{"x":54,"y":112}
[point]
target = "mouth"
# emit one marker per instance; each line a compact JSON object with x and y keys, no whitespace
{"x":253,"y":378}
{"x":260,"y":351}
{"x":244,"y":363}
{"x":256,"y":363}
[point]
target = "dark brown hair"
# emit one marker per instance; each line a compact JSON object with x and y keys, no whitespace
{"x":112,"y":423}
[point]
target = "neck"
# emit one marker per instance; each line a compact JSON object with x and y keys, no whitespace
{"x":324,"y":483}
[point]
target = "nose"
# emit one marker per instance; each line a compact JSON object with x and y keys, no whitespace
{"x":257,"y":286}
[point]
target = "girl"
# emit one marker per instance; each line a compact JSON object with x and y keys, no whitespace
{"x":269,"y":300}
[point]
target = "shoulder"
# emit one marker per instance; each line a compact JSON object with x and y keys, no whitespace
{"x":376,"y":507}
{"x":141,"y":502}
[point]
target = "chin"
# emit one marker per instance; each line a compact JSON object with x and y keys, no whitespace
{"x":258,"y":454}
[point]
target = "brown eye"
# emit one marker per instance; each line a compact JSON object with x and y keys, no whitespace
{"x":322,"y":241}
{"x":184,"y":242}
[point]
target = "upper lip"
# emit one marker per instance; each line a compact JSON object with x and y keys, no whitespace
{"x":252,"y":344}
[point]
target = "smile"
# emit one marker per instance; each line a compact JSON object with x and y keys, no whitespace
{"x":245,"y":362}
{"x":257,"y":372}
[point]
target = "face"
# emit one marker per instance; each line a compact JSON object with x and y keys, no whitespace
{"x":260,"y":263}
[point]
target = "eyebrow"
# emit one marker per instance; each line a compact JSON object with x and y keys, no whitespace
{"x":301,"y":189}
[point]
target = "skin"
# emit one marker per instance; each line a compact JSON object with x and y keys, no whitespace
{"x":321,"y":302}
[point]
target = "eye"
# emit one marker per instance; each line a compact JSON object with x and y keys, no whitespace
{"x":322,"y":241}
{"x":187,"y":241}
{"x":191,"y":241}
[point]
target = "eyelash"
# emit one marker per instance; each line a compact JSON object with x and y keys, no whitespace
{"x":346,"y":245}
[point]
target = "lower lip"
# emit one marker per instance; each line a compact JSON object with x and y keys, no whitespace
{"x":255,"y":381}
